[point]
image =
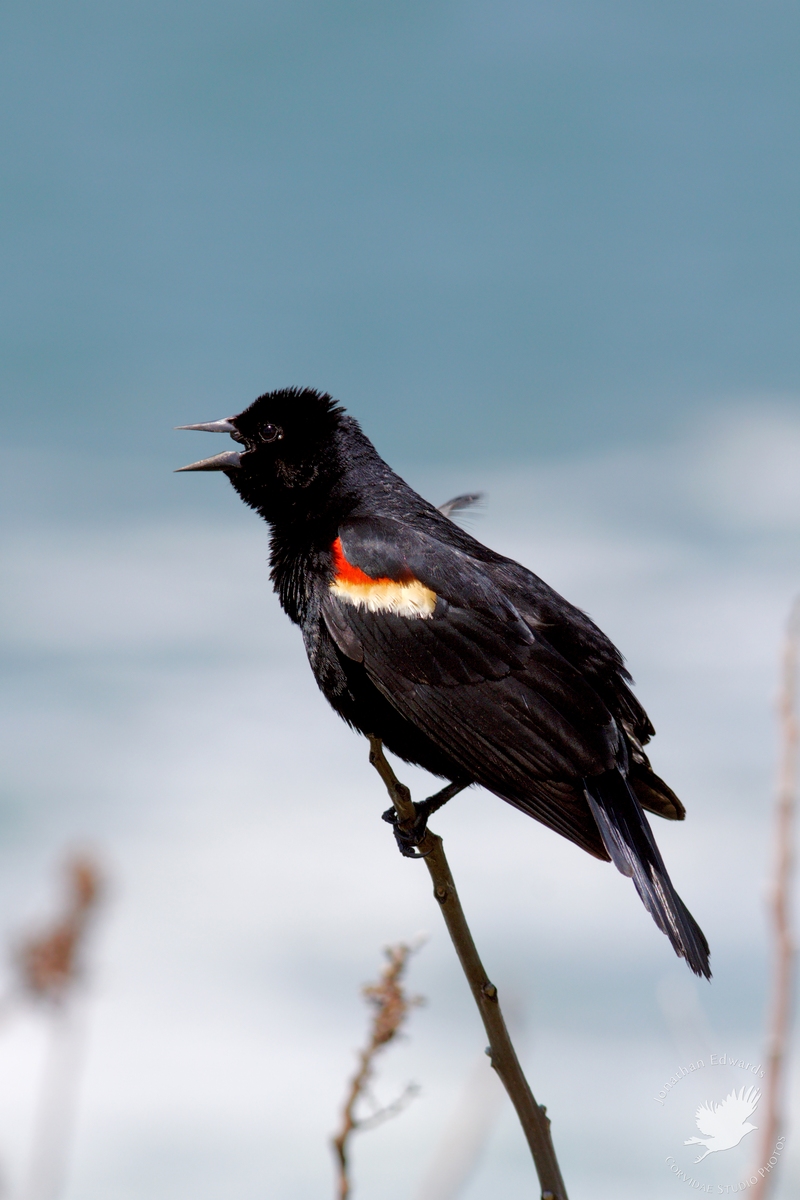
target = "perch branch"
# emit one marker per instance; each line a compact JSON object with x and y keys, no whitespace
{"x":784,"y":951}
{"x":503,"y":1057}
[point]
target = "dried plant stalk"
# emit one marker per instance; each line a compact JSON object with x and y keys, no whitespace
{"x":49,"y":968}
{"x":49,"y":963}
{"x":503,"y":1057}
{"x":784,"y":947}
{"x":391,"y":1006}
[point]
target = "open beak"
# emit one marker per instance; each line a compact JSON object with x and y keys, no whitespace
{"x":225,"y":426}
{"x":219,"y":462}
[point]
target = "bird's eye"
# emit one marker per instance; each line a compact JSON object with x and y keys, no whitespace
{"x":271,"y":433}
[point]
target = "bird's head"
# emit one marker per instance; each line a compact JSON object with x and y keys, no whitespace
{"x":286,"y":444}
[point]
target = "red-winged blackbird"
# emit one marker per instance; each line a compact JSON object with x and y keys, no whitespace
{"x":460,"y":660}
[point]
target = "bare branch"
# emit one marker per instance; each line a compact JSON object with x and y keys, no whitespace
{"x":391,"y":1006}
{"x":784,"y":947}
{"x":503,"y":1057}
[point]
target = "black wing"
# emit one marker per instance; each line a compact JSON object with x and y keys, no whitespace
{"x":490,"y":691}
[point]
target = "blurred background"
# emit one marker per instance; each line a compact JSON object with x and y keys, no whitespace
{"x":544,"y":250}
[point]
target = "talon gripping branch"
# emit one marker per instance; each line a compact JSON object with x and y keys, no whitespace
{"x":459,"y":659}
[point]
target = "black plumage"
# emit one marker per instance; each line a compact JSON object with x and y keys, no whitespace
{"x":461,"y":660}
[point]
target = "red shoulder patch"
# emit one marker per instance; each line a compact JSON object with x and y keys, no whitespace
{"x":347,"y":573}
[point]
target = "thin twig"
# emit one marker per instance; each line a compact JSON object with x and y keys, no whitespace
{"x":503,"y":1057}
{"x":391,"y":1007}
{"x":784,"y":947}
{"x":390,"y":1110}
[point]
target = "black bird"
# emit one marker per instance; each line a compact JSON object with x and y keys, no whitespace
{"x":460,"y":660}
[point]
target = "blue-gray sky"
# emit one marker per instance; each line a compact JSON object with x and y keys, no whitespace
{"x":490,"y":228}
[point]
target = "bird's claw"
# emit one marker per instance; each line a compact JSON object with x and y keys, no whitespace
{"x":408,"y":835}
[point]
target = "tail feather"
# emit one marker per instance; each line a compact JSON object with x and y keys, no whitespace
{"x":627,"y":837}
{"x":653,"y":794}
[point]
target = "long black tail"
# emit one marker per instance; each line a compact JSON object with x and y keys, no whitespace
{"x":628,"y":839}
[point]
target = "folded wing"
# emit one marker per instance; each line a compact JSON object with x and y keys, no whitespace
{"x":466,"y":668}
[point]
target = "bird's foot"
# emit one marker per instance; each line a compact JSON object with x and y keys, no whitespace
{"x":409,"y":834}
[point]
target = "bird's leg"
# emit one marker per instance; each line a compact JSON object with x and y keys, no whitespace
{"x":437,"y":801}
{"x":408,"y":835}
